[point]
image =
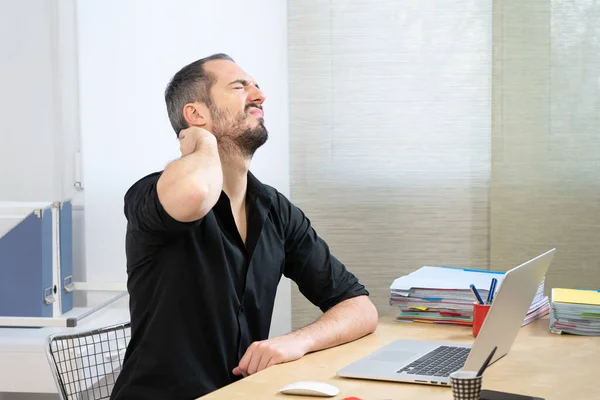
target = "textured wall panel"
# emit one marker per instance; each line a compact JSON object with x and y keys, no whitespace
{"x":390,"y":127}
{"x":545,"y":190}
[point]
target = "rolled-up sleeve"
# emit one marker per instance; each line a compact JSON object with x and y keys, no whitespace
{"x":320,"y":276}
{"x":145,"y":213}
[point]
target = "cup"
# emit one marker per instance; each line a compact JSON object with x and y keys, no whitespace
{"x":466,"y":385}
{"x":480,"y":311}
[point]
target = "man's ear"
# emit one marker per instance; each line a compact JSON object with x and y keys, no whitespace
{"x":195,"y":114}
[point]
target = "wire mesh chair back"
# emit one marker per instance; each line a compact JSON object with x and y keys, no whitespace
{"x":85,"y":365}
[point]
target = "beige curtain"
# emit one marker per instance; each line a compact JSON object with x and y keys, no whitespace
{"x":545,"y":189}
{"x":390,"y":134}
{"x":442,"y":132}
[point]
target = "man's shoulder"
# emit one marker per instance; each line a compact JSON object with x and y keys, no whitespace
{"x":271,"y":191}
{"x":287,"y":211}
{"x":278,"y":198}
{"x":149,"y":179}
{"x":280,"y":204}
{"x":255,"y":185}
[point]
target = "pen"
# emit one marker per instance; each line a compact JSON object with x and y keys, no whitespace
{"x":492,"y":290}
{"x":476,"y":293}
{"x":486,"y":362}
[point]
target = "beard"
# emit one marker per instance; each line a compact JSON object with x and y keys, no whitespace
{"x":233,"y":133}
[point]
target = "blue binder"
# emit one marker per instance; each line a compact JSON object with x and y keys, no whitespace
{"x":36,"y":259}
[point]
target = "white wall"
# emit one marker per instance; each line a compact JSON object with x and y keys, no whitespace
{"x":28,"y":119}
{"x":39,"y":118}
{"x":128,"y":50}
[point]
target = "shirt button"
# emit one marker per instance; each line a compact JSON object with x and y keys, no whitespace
{"x":241,"y":309}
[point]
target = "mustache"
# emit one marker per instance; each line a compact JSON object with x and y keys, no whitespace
{"x":253,"y":105}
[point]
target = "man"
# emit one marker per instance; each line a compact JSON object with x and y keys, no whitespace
{"x":207,"y":244}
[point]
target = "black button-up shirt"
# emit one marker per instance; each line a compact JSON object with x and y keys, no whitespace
{"x":199,"y":297}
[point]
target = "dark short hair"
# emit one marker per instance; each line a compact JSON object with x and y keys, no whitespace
{"x":192,"y":83}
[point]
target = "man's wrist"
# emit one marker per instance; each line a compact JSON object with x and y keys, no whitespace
{"x":206,"y":140}
{"x":305,"y":340}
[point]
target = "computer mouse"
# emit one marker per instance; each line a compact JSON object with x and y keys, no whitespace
{"x":310,"y":388}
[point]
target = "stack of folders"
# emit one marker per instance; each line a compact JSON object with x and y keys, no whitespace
{"x":443,"y":295}
{"x":575,"y":311}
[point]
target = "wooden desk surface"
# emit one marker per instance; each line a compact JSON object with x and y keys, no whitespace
{"x":540,"y":363}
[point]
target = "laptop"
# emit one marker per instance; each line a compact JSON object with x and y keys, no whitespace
{"x":427,"y":362}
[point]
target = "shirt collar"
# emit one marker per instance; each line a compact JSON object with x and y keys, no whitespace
{"x":257,"y":187}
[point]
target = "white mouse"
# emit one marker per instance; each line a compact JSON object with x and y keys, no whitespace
{"x":310,"y":388}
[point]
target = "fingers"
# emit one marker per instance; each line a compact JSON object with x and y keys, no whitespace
{"x":264,"y":354}
{"x":260,"y":355}
{"x":264,"y":362}
{"x":245,"y":361}
{"x":272,"y":362}
{"x":257,"y":356}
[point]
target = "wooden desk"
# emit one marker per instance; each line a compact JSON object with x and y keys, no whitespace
{"x":540,"y":363}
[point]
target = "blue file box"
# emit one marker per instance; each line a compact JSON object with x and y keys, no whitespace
{"x":36,"y":259}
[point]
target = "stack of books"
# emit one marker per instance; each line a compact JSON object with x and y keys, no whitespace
{"x":443,"y":295}
{"x":575,"y":311}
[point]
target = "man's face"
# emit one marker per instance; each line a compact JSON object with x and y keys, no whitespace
{"x":236,"y":115}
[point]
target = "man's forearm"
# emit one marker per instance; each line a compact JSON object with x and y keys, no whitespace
{"x":347,"y":321}
{"x":189,"y":187}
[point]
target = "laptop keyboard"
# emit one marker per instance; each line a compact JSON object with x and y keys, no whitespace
{"x":441,"y":361}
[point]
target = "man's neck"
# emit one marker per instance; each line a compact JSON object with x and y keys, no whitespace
{"x":235,"y":178}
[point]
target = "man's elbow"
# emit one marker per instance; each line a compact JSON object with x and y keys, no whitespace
{"x":369,"y":315}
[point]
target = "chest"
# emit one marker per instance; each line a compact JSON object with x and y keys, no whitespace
{"x":244,"y":261}
{"x":242,"y":238}
{"x":241,"y":222}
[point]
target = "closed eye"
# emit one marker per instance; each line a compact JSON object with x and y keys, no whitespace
{"x":242,"y":82}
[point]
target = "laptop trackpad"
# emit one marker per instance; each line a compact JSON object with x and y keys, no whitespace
{"x":395,"y":355}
